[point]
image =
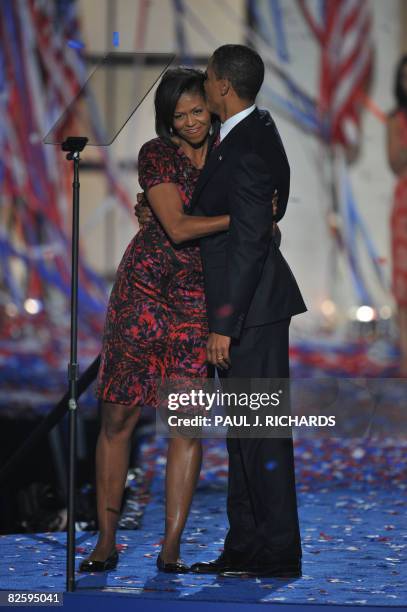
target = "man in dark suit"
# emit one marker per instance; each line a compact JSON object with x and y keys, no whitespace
{"x":251,"y":296}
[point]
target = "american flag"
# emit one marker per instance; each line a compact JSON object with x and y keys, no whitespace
{"x":344,"y":31}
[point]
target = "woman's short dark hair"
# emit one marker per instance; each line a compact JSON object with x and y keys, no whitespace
{"x":242,"y":66}
{"x":173,"y":84}
{"x":399,"y":91}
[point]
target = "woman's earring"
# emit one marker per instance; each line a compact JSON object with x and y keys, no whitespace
{"x":211,"y":130}
{"x":171,"y":131}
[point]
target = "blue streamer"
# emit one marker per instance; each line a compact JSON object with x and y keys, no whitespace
{"x":350,"y":218}
{"x":116,"y":39}
{"x":256,"y":10}
{"x":359,"y":224}
{"x":2,"y":114}
{"x":180,"y":32}
{"x":304,"y":99}
{"x":279,"y":30}
{"x":12,"y":38}
{"x":322,"y":12}
{"x":75,"y":44}
{"x":50,"y":276}
{"x":303,"y":119}
{"x":259,"y":21}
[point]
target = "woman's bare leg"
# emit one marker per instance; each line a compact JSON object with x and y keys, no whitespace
{"x":112,"y":462}
{"x":184,"y":458}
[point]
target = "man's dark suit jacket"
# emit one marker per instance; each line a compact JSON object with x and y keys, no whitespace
{"x":247,"y":280}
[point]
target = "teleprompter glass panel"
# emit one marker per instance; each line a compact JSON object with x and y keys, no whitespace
{"x":86,"y":115}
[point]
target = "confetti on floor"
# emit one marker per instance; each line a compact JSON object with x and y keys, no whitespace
{"x":352,"y":511}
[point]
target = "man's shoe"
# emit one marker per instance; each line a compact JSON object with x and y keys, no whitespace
{"x":172,"y":568}
{"x":283,"y":571}
{"x":110,"y":563}
{"x":221,"y":564}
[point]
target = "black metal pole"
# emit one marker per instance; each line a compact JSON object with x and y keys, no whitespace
{"x":73,"y":375}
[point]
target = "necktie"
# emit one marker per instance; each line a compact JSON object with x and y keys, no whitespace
{"x":216,"y":142}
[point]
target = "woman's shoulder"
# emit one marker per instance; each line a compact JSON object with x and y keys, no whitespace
{"x":156,"y":147}
{"x":157,"y":163}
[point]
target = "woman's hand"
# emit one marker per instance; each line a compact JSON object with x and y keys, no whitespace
{"x":142,"y":210}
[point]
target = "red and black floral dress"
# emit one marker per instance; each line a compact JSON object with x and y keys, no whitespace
{"x":156,"y":325}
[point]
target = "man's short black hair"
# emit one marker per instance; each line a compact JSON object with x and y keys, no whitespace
{"x":242,"y":66}
{"x":173,"y":84}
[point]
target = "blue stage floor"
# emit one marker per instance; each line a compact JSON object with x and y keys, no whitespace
{"x":354,"y":545}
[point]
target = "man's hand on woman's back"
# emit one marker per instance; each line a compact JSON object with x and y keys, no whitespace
{"x":142,"y":210}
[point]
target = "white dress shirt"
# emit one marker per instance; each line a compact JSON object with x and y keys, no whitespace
{"x":232,"y":122}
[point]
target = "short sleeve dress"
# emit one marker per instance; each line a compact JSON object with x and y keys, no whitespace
{"x":156,"y":325}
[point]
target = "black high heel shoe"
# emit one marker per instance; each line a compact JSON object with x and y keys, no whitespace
{"x":172,"y":568}
{"x":88,"y":565}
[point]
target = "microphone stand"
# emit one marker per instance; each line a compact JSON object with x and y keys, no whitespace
{"x":74,"y":145}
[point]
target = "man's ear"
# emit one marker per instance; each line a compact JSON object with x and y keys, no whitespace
{"x":224,"y":87}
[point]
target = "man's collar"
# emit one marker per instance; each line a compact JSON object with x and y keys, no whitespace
{"x":232,"y":121}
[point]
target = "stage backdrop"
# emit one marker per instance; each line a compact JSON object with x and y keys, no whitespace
{"x":295,"y":58}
